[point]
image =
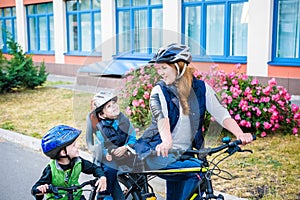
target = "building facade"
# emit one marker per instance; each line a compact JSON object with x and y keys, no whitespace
{"x":262,"y":36}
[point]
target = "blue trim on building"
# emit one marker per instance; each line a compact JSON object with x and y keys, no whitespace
{"x":202,"y":57}
{"x":37,"y":16}
{"x":78,"y":13}
{"x":131,"y":9}
{"x":4,"y":19}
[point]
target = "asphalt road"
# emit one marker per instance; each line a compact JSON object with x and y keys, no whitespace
{"x":20,"y":167}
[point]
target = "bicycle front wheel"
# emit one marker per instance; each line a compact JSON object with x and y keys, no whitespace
{"x":128,"y":189}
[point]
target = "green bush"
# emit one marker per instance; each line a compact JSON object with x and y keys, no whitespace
{"x":19,"y":72}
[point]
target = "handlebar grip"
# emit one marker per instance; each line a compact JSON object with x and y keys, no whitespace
{"x":36,"y":191}
{"x":238,"y":142}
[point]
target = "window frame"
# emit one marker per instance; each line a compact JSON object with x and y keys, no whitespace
{"x":37,"y":16}
{"x":4,"y":35}
{"x":276,"y":61}
{"x":202,"y":57}
{"x":131,"y":9}
{"x":92,"y":11}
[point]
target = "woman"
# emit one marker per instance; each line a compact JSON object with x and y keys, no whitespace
{"x":178,"y":103}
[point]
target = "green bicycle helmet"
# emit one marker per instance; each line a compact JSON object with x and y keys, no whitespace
{"x":58,"y":138}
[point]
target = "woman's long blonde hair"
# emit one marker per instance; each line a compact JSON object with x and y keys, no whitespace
{"x":184,"y":86}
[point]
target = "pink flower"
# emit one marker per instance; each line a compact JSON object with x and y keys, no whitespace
{"x":146,"y":95}
{"x":150,"y":86}
{"x":229,"y":98}
{"x":248,"y":114}
{"x":244,"y":77}
{"x":295,"y":131}
{"x":295,"y":108}
{"x":128,"y":111}
{"x":234,"y":82}
{"x":135,"y":91}
{"x":135,"y":103}
{"x":141,"y":101}
{"x":272,"y":82}
{"x":267,"y":125}
{"x":297,"y":115}
{"x":263,"y":134}
{"x":237,"y":117}
{"x":267,"y":90}
{"x":254,"y":81}
{"x":243,"y":122}
{"x":257,"y":124}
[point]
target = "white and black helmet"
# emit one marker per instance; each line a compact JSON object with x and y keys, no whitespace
{"x":100,"y":99}
{"x":172,"y":53}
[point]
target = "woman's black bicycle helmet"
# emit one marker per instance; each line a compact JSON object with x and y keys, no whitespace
{"x":58,"y":138}
{"x":172,"y":53}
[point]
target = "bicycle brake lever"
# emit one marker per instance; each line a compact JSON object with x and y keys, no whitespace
{"x":232,"y":150}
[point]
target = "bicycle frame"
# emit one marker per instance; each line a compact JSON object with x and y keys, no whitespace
{"x":139,"y":182}
{"x":205,"y":185}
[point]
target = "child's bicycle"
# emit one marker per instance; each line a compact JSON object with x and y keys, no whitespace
{"x":71,"y":192}
{"x":136,"y":185}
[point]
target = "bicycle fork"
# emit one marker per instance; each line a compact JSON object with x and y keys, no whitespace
{"x":209,"y":192}
{"x":205,"y":186}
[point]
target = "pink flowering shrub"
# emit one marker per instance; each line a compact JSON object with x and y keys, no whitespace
{"x":257,"y":108}
{"x":260,"y":109}
{"x":136,"y":93}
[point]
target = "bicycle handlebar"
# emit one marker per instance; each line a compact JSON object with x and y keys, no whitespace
{"x":232,"y":148}
{"x":55,"y":189}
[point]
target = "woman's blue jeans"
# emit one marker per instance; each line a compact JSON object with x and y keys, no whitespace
{"x":181,"y":185}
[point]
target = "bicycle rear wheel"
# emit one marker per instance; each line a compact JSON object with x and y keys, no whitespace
{"x":128,"y":189}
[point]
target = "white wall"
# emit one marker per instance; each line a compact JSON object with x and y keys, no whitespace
{"x":108,"y":30}
{"x":59,"y":20}
{"x":21,"y":25}
{"x":171,"y":21}
{"x":259,"y":37}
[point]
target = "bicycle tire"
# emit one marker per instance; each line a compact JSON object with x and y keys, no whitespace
{"x":126,"y":184}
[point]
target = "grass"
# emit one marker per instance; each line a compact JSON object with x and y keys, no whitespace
{"x":271,"y":172}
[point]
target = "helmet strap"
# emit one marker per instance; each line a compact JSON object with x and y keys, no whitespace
{"x":179,"y":75}
{"x":66,"y":156}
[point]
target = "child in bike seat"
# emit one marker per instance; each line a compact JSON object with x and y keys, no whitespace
{"x":116,"y":135}
{"x":59,"y":144}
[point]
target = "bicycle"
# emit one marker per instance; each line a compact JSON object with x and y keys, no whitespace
{"x":71,"y":192}
{"x":136,"y":186}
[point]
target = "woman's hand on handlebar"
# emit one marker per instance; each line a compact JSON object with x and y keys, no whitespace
{"x":163,"y":149}
{"x":246,"y":138}
{"x":101,"y":183}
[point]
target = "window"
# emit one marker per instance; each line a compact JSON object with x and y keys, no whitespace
{"x":8,"y":26}
{"x":286,"y":33}
{"x":40,"y":28}
{"x":83,"y":27}
{"x":139,"y":26}
{"x":216,"y":30}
